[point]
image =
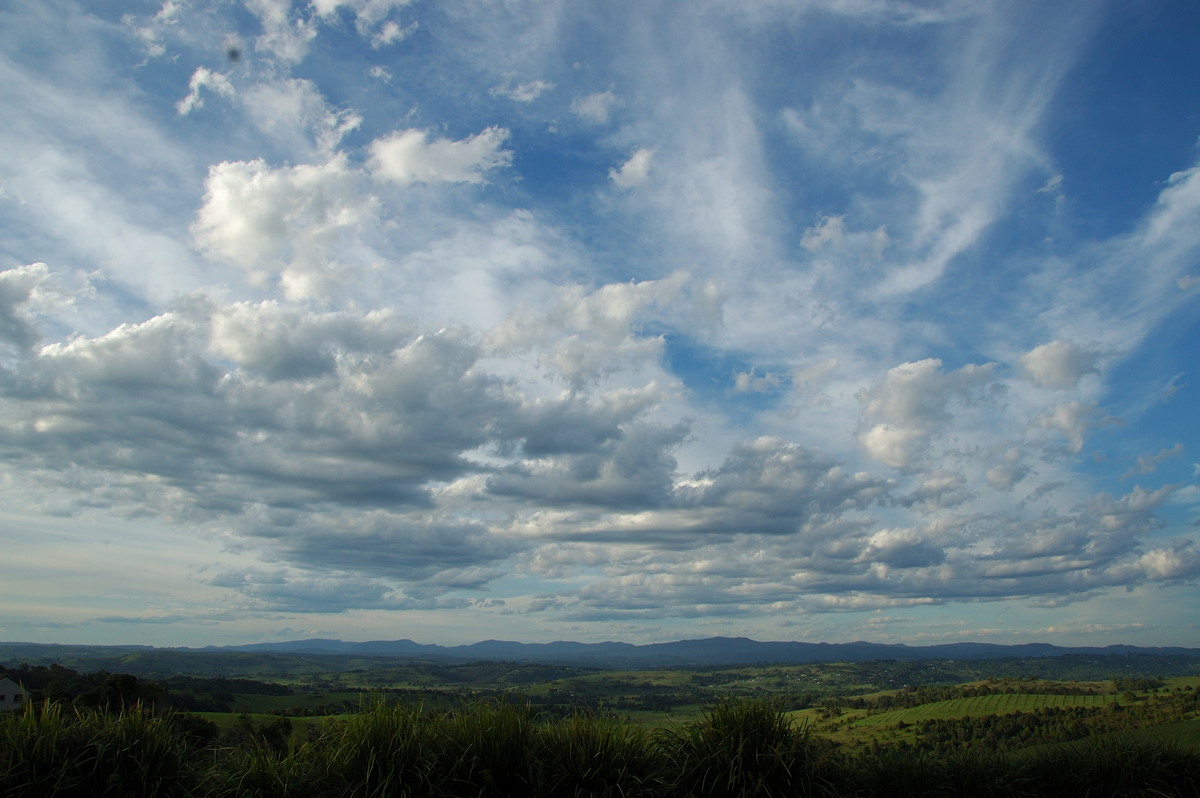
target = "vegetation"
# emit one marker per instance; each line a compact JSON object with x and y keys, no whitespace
{"x":1125,"y":726}
{"x":496,"y":749}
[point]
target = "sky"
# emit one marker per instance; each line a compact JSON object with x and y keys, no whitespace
{"x":822,"y":320}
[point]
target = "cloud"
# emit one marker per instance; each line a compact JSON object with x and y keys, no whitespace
{"x":831,"y":230}
{"x":524,"y":92}
{"x":634,"y":171}
{"x":1009,"y":471}
{"x":902,"y":413}
{"x":368,"y":14}
{"x":1059,"y":365}
{"x":151,"y":33}
{"x":1148,"y":463}
{"x":18,"y":288}
{"x":203,"y":78}
{"x":284,"y":36}
{"x":756,"y":386}
{"x":586,"y":335}
{"x":294,"y":109}
{"x":596,"y":108}
{"x":1073,"y":420}
{"x":286,"y":220}
{"x":407,"y":157}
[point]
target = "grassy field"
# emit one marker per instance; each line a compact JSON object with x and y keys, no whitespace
{"x":977,"y":706}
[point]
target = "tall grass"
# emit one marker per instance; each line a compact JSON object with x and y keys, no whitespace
{"x":382,"y":752}
{"x":487,"y":749}
{"x":747,"y":749}
{"x":52,"y":751}
{"x":598,"y":755}
{"x":1115,"y":766}
{"x":498,"y":749}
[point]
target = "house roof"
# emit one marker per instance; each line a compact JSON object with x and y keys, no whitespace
{"x":7,"y":684}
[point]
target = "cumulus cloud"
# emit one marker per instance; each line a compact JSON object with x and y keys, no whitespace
{"x":286,"y":220}
{"x":588,"y":334}
{"x":1059,"y":365}
{"x":1008,"y":471}
{"x":634,"y":171}
{"x":902,"y":413}
{"x":383,"y":389}
{"x":1072,"y":420}
{"x":18,"y":287}
{"x":409,"y":157}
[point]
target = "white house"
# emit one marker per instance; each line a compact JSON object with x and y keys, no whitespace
{"x":12,"y":695}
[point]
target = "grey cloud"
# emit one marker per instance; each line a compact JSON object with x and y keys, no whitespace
{"x":16,"y":289}
{"x":1059,"y":364}
{"x":633,"y":469}
{"x":776,"y":485}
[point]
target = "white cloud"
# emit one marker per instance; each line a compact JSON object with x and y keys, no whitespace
{"x":903,"y":412}
{"x":391,"y":32}
{"x":285,"y":37}
{"x":831,"y":230}
{"x":1009,"y":471}
{"x":288,"y":220}
{"x":586,"y":335}
{"x":151,"y":34}
{"x":1073,"y":420}
{"x":596,"y":108}
{"x":293,"y":110}
{"x":634,"y":171}
{"x":524,"y":92}
{"x":408,"y":156}
{"x":1058,"y":364}
{"x":367,"y":15}
{"x":203,"y":78}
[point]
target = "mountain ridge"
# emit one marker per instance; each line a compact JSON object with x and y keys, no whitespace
{"x":698,"y":651}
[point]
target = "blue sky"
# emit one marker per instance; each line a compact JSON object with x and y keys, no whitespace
{"x":815,"y":320}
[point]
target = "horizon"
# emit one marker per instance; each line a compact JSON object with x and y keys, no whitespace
{"x":898,"y":644}
{"x":594,"y":321}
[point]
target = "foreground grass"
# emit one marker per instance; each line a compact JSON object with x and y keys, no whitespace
{"x":497,"y":749}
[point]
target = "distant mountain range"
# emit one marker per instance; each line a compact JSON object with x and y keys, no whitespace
{"x":709,"y":651}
